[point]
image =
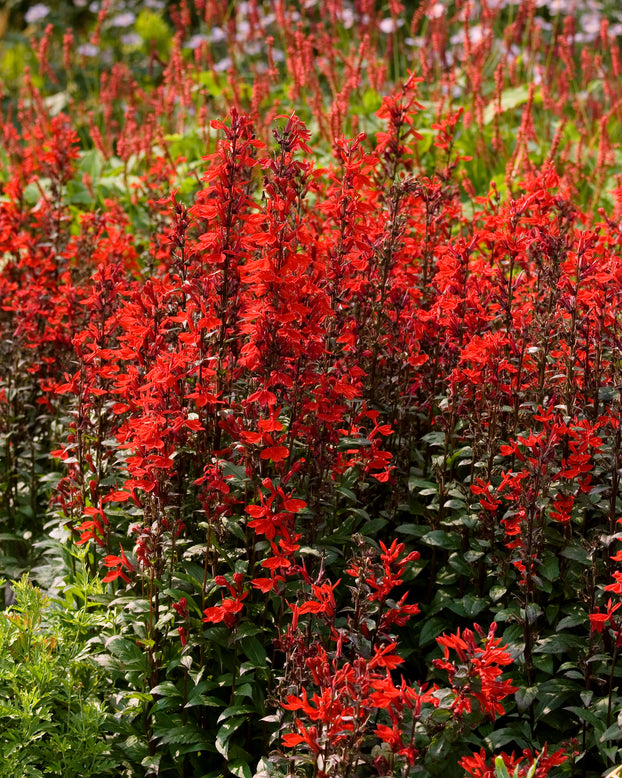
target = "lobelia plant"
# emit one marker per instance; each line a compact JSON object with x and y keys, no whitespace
{"x":350,"y":708}
{"x":322,"y":340}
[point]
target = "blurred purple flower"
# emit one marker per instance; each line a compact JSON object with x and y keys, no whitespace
{"x":223,"y":65}
{"x":36,"y":12}
{"x":126,"y":19}
{"x":88,"y":50}
{"x":131,"y":39}
{"x":196,"y":41}
{"x":387,"y":25}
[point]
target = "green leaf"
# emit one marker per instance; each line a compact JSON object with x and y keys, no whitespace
{"x":439,"y":749}
{"x":577,"y":554}
{"x":248,"y":628}
{"x":234,"y":710}
{"x":126,"y":651}
{"x":611,"y":733}
{"x":496,"y":592}
{"x":588,"y":715}
{"x":240,"y":769}
{"x":181,"y":736}
{"x":372,"y":526}
{"x":431,"y":629}
{"x":91,"y":163}
{"x":77,"y":194}
{"x":501,"y":771}
{"x":510,"y":98}
{"x":501,"y":737}
{"x":420,"y":483}
{"x":532,"y":611}
{"x":544,"y":662}
{"x":550,"y":568}
{"x":254,"y":651}
{"x":345,"y":492}
{"x":441,"y":539}
{"x":586,"y":697}
{"x":558,"y":644}
{"x":224,"y":733}
{"x":468,"y":606}
{"x":152,"y":762}
{"x":200,"y":699}
{"x":371,"y":101}
{"x":524,"y":697}
{"x":568,"y":622}
{"x":166,"y":689}
{"x":434,"y":438}
{"x":219,"y":635}
{"x":416,"y":530}
{"x":354,"y":443}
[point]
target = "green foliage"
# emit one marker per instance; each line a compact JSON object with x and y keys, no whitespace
{"x":54,"y":717}
{"x":154,"y":32}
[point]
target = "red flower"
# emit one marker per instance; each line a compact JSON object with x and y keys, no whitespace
{"x":117,"y":562}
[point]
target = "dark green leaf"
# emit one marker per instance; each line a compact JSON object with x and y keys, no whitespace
{"x":431,"y":629}
{"x":524,"y":697}
{"x":234,"y":710}
{"x":441,"y":539}
{"x":577,"y":554}
{"x":371,"y":527}
{"x":254,"y":651}
{"x":558,"y":644}
{"x":225,"y":732}
{"x":240,"y":769}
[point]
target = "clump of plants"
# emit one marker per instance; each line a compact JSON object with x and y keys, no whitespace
{"x":54,"y":718}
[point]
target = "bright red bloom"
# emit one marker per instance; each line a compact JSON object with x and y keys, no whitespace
{"x":117,"y":565}
{"x":478,"y":673}
{"x":479,"y":766}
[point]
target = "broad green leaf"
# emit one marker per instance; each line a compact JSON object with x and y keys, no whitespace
{"x":235,"y":710}
{"x":614,"y":732}
{"x":577,"y":554}
{"x":513,"y":734}
{"x":254,"y":651}
{"x":248,"y":628}
{"x":431,"y":629}
{"x":510,"y":98}
{"x":126,"y":651}
{"x":414,"y":482}
{"x":550,"y":568}
{"x":468,"y":606}
{"x":446,"y":540}
{"x":568,"y":622}
{"x":434,"y":438}
{"x":524,"y":697}
{"x":558,"y":644}
{"x":588,"y":715}
{"x":496,"y":592}
{"x":416,"y":530}
{"x":182,"y":736}
{"x":372,"y":526}
{"x":166,"y":689}
{"x":225,"y":732}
